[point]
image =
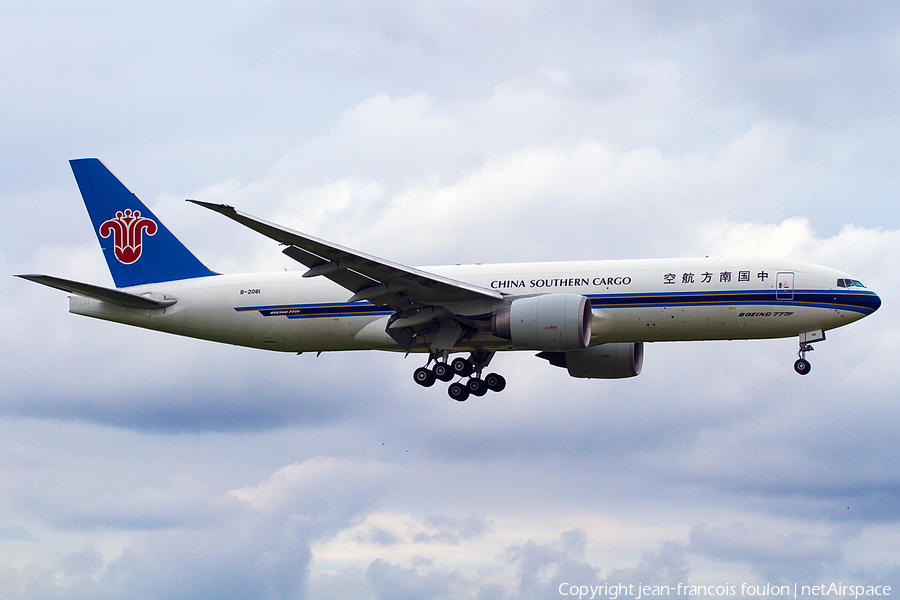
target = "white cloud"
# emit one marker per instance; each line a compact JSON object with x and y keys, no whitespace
{"x":315,"y":480}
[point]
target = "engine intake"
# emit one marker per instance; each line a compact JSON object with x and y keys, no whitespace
{"x":551,"y":322}
{"x":606,"y":361}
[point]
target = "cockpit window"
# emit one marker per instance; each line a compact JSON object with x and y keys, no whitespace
{"x":845,"y":283}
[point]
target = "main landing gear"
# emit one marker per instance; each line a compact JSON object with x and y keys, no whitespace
{"x":461,"y":367}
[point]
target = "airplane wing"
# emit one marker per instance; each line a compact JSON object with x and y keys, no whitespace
{"x":97,"y":292}
{"x":367,"y":277}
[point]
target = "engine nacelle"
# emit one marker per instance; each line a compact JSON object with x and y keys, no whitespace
{"x":606,"y":361}
{"x":551,"y":322}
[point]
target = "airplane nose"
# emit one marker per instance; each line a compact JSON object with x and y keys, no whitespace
{"x":876,"y":302}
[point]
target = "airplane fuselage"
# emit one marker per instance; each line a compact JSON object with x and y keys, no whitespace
{"x":631,"y":301}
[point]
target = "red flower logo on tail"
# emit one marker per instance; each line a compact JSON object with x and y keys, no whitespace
{"x":126,"y":230}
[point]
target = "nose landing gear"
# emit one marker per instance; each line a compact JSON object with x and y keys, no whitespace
{"x":801,"y":365}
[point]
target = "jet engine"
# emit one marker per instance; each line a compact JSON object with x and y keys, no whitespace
{"x":551,"y":322}
{"x":606,"y":361}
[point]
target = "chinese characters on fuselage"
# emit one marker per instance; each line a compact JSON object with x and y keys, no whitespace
{"x":724,"y":277}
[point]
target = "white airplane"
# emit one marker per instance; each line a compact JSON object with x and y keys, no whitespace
{"x":590,"y":317}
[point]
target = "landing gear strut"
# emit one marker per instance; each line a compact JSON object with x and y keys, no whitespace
{"x":802,"y":365}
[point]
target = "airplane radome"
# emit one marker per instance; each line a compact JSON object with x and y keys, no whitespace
{"x":589,"y":317}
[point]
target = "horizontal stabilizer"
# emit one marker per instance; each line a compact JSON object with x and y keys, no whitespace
{"x":97,"y":292}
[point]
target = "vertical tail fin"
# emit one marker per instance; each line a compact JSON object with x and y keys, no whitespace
{"x":137,"y":246}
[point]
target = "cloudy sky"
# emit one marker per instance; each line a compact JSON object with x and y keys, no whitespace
{"x":139,"y":465}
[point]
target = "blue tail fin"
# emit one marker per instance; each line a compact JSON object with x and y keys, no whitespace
{"x":137,"y":246}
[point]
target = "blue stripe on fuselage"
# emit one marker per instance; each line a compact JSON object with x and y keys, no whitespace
{"x":864,"y":302}
{"x":310,"y":311}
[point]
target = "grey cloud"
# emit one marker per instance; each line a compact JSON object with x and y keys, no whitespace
{"x":16,"y":533}
{"x":263,"y":551}
{"x":778,"y":557}
{"x":435,"y":529}
{"x":563,"y":558}
{"x":378,"y":536}
{"x":181,"y":385}
{"x":445,"y":529}
{"x":667,"y":566}
{"x":544,"y":568}
{"x":390,"y":581}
